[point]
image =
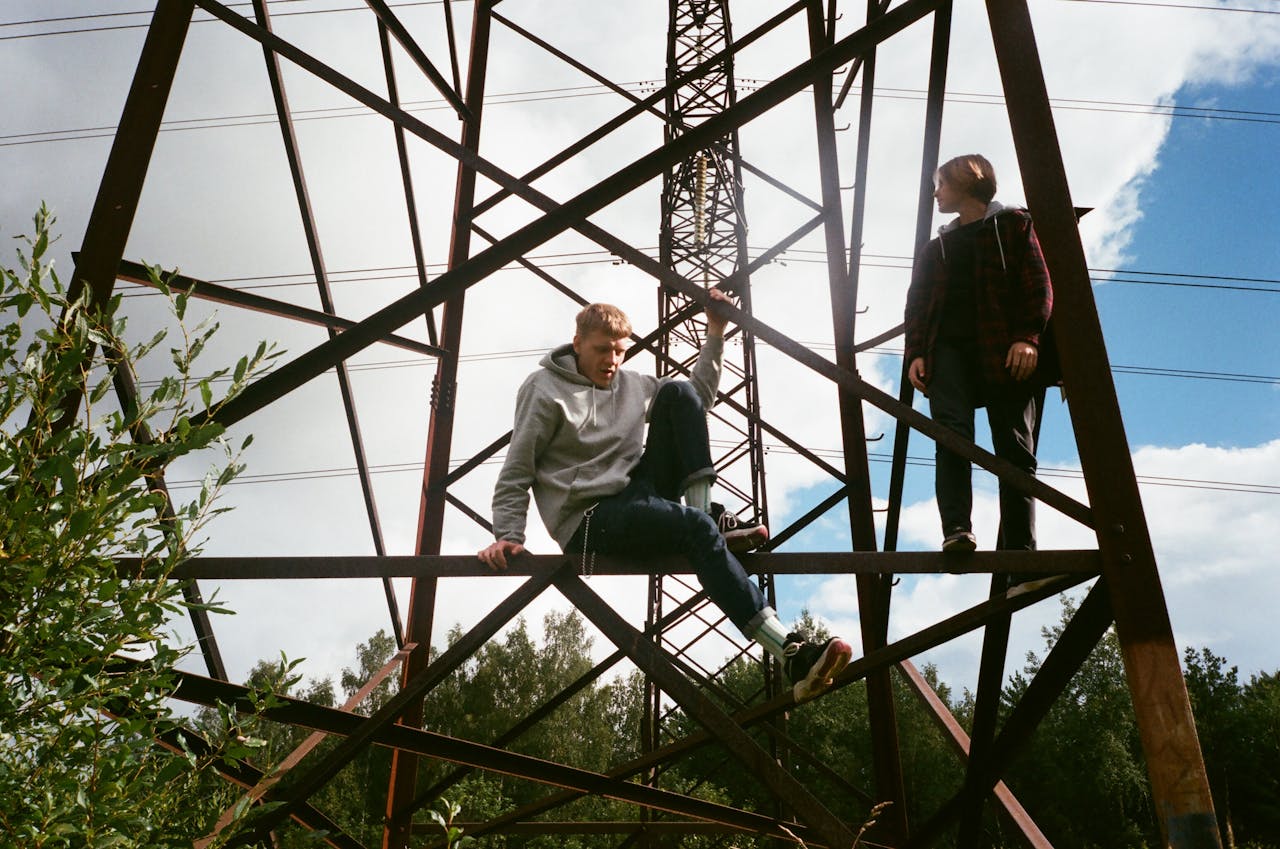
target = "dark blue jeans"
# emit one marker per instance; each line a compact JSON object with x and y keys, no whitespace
{"x":956,"y":390}
{"x":647,"y":517}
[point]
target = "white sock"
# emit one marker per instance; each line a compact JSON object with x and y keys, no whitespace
{"x":698,"y":494}
{"x":773,"y":637}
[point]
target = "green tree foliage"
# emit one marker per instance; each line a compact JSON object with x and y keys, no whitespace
{"x":1239,"y":730}
{"x":83,"y":659}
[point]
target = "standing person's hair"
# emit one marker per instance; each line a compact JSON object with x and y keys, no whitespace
{"x":604,"y":317}
{"x":971,"y":174}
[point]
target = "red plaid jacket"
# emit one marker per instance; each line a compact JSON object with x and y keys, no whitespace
{"x":1014,"y":296}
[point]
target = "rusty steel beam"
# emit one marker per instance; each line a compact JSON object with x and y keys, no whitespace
{"x":410,"y":693}
{"x":873,"y":591}
{"x":116,"y":203}
{"x":987,"y":697}
{"x":107,"y":233}
{"x":561,"y":217}
{"x":641,"y":106}
{"x":210,"y":692}
{"x":814,"y":514}
{"x":923,"y":640}
{"x":260,"y":788}
{"x":182,"y":741}
{"x":547,"y":708}
{"x":577,"y":66}
{"x":572,"y":215}
{"x":935,"y":98}
{"x":874,"y":7}
{"x":406,"y":175}
{"x":530,"y":829}
{"x":432,"y":499}
{"x":453,"y":44}
{"x":1059,"y":562}
{"x":135,"y":272}
{"x":316,"y":253}
{"x":644,"y":654}
{"x":388,"y":19}
{"x":1078,"y":639}
{"x":1179,"y":784}
{"x":953,"y":732}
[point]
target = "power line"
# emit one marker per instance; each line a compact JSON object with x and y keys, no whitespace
{"x":575,"y":92}
{"x":829,"y":453}
{"x":600,"y":257}
{"x":1152,"y":5}
{"x":194,"y":20}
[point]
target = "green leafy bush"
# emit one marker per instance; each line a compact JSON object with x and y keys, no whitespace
{"x":84,"y":664}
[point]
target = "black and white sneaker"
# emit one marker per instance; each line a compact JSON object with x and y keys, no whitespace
{"x":740,"y":536}
{"x":812,"y":668}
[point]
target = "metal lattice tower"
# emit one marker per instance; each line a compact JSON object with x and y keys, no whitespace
{"x":703,"y":237}
{"x":1127,"y":593}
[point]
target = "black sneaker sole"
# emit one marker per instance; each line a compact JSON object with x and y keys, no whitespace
{"x":834,"y":659}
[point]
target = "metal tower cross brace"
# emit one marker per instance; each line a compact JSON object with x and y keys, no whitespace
{"x":703,"y":242}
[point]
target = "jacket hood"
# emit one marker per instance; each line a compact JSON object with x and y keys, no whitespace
{"x":561,"y":361}
{"x":993,"y":209}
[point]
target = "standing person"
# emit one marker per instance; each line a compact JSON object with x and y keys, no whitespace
{"x":979,"y":301}
{"x":601,"y":487}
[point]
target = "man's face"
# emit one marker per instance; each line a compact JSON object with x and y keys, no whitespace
{"x":947,"y":195}
{"x":599,"y":356}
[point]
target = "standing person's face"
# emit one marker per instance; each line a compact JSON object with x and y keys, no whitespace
{"x":599,"y":356}
{"x":948,"y":196}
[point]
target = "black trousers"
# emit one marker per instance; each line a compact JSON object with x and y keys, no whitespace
{"x":956,"y":391}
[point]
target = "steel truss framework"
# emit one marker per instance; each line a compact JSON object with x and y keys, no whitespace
{"x":1127,"y":591}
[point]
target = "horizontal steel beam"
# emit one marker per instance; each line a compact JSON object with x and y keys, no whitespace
{"x":198,"y":689}
{"x":205,"y":291}
{"x":776,"y":563}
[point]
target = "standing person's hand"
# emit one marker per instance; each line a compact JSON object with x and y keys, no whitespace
{"x":916,"y":374}
{"x":1021,"y":360}
{"x":495,"y":556}
{"x":717,"y":320}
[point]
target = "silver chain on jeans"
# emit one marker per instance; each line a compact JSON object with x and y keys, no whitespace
{"x":588,"y":565}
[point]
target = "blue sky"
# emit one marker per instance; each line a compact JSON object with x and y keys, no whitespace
{"x":1209,"y":210}
{"x":1173,"y":195}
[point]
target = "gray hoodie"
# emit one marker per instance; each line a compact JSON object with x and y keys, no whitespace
{"x":574,"y":443}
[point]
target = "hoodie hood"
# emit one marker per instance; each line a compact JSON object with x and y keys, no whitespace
{"x":994,"y":209}
{"x":563,"y":363}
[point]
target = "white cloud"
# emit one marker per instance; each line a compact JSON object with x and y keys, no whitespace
{"x":1212,"y":548}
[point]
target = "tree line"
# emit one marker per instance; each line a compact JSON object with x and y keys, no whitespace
{"x":1082,"y":779}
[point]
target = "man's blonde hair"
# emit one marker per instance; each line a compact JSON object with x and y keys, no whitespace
{"x":971,"y":174}
{"x":604,"y":317}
